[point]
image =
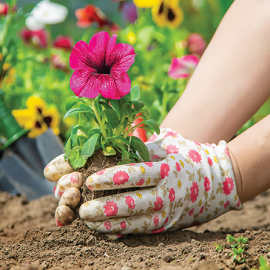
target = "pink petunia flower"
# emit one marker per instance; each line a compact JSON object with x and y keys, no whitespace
{"x":100,"y":67}
{"x":177,"y":166}
{"x":120,"y":178}
{"x":158,"y":204}
{"x":164,"y":170}
{"x":158,"y":230}
{"x":195,"y":156}
{"x":3,"y":9}
{"x":123,"y":225}
{"x":171,"y":149}
{"x":129,"y":12}
{"x":156,"y":220}
{"x":196,"y":44}
{"x":111,"y":208}
{"x":210,"y":161}
{"x":37,"y":38}
{"x":228,"y":185}
{"x":130,"y":202}
{"x":63,"y":42}
{"x":194,"y":191}
{"x":172,"y":195}
{"x":183,"y":67}
{"x":206,"y":184}
{"x":107,"y":225}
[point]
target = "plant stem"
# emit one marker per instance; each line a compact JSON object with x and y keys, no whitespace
{"x":97,"y":114}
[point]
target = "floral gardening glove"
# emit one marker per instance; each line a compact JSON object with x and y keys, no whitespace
{"x":186,"y":183}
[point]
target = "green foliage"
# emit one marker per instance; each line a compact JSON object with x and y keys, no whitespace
{"x":115,"y":120}
{"x":238,"y":246}
{"x":218,"y":247}
{"x":263,"y":264}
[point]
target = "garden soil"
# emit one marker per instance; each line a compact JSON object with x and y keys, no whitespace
{"x":29,"y":240}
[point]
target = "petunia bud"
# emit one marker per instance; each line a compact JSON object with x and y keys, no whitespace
{"x":3,"y":9}
{"x":196,"y":44}
{"x":63,"y":42}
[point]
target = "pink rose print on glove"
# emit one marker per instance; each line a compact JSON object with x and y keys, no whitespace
{"x":74,"y":178}
{"x":210,"y":161}
{"x":172,"y":195}
{"x":195,"y":156}
{"x":226,"y":204}
{"x":158,"y":204}
{"x":140,"y":182}
{"x":152,"y":138}
{"x":58,"y":224}
{"x":202,"y":209}
{"x":238,"y":203}
{"x":120,"y":178}
{"x":130,"y":202}
{"x":164,"y":170}
{"x":177,"y":166}
{"x":155,"y":157}
{"x":111,"y":208}
{"x":171,"y":149}
{"x":101,"y":172}
{"x":191,"y":212}
{"x":194,"y":191}
{"x":123,"y":225}
{"x":206,"y":184}
{"x":158,"y":230}
{"x":197,"y":143}
{"x":227,"y":152}
{"x":107,"y":225}
{"x":166,"y":220}
{"x":171,"y":133}
{"x":149,"y":164}
{"x":228,"y":185}
{"x":156,"y":220}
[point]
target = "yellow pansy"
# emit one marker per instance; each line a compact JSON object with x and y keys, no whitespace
{"x":167,"y":13}
{"x":145,"y":3}
{"x":131,"y":37}
{"x":37,"y":118}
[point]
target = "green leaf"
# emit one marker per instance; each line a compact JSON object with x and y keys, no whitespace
{"x":109,"y":151}
{"x":125,"y":155}
{"x":89,"y":146}
{"x":67,"y":148}
{"x":112,"y":117}
{"x":75,"y":158}
{"x":139,"y":146}
{"x":70,"y":102}
{"x":135,"y":93}
{"x":76,"y":110}
{"x":152,"y":124}
{"x":115,"y":105}
{"x":138,"y":105}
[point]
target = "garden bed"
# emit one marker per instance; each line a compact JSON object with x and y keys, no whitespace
{"x":29,"y":239}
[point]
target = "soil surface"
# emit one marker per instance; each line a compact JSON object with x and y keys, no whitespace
{"x":29,"y":240}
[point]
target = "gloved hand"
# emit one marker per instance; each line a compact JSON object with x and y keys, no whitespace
{"x":186,"y":183}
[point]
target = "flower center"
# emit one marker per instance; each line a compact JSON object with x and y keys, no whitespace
{"x":104,"y":69}
{"x":171,"y":15}
{"x":47,"y":120}
{"x":161,"y":8}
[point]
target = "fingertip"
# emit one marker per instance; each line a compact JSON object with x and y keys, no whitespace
{"x":71,"y":197}
{"x":63,"y":215}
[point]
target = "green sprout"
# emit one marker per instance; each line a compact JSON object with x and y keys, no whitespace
{"x":263,"y":264}
{"x":238,"y":247}
{"x":218,"y":247}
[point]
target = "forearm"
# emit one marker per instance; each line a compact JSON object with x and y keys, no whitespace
{"x":251,"y":159}
{"x":232,"y":79}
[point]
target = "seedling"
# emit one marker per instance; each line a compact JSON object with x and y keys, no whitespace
{"x":263,"y":264}
{"x":218,"y":247}
{"x":238,"y":248}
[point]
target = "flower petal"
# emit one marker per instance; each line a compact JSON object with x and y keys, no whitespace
{"x":79,"y":56}
{"x":84,"y":84}
{"x":97,"y":48}
{"x":122,"y":57}
{"x":108,"y":87}
{"x":110,"y":46}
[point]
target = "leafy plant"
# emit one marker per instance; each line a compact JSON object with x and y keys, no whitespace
{"x":238,"y":247}
{"x":263,"y":264}
{"x":115,"y":120}
{"x":218,"y":247}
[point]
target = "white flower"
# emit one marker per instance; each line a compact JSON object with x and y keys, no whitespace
{"x":45,"y":12}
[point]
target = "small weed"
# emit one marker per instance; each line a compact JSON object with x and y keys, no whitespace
{"x":218,"y":247}
{"x":263,"y":264}
{"x":238,"y":247}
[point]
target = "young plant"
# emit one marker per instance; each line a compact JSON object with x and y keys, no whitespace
{"x":238,"y":247}
{"x":114,"y":119}
{"x":218,"y":247}
{"x":263,"y":264}
{"x":104,"y":96}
